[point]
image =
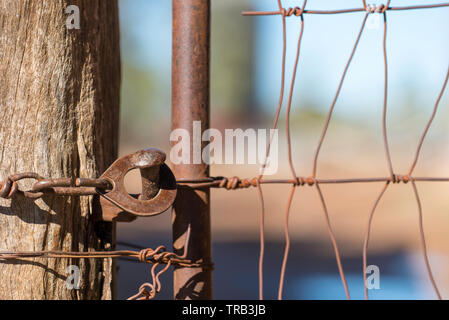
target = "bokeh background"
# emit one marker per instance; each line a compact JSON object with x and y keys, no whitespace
{"x":246,"y":71}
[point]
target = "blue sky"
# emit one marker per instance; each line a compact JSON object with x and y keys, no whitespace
{"x":418,"y":48}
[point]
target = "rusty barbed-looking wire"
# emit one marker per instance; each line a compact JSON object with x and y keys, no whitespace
{"x":159,"y":256}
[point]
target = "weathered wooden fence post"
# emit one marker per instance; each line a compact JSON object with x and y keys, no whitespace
{"x":59,"y":108}
{"x":190,"y":95}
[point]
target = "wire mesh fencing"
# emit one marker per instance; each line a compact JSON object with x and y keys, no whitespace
{"x":160,"y":256}
{"x":313,"y":180}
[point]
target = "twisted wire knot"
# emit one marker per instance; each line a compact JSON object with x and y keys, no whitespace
{"x":372,"y":8}
{"x":146,"y":292}
{"x":297,"y":11}
{"x":301,"y":181}
{"x":400,"y":179}
{"x":235,"y":183}
{"x":159,"y":255}
{"x":146,"y":254}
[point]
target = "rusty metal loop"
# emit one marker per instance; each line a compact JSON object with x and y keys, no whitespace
{"x":140,"y":160}
{"x":61,"y":187}
{"x":6,"y":188}
{"x":9,"y":188}
{"x":110,"y":185}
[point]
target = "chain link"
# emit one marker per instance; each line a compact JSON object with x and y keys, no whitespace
{"x":60,"y":187}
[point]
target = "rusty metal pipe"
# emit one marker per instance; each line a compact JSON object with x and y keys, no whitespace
{"x":190,"y":102}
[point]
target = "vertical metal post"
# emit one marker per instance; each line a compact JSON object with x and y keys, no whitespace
{"x":190,"y":103}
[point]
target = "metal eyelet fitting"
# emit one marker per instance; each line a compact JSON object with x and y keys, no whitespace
{"x":159,"y":187}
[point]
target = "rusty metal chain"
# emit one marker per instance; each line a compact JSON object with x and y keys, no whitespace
{"x":59,"y":187}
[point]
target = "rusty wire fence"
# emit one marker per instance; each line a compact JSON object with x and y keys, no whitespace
{"x":162,"y":260}
{"x":313,"y":180}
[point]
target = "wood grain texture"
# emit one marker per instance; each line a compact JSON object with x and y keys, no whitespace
{"x":59,"y":108}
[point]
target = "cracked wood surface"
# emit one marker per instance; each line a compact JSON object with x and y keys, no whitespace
{"x":59,"y":108}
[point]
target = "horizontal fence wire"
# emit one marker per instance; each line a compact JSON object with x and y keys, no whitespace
{"x":156,"y":257}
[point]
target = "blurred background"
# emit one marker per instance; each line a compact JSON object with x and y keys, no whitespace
{"x":246,"y":73}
